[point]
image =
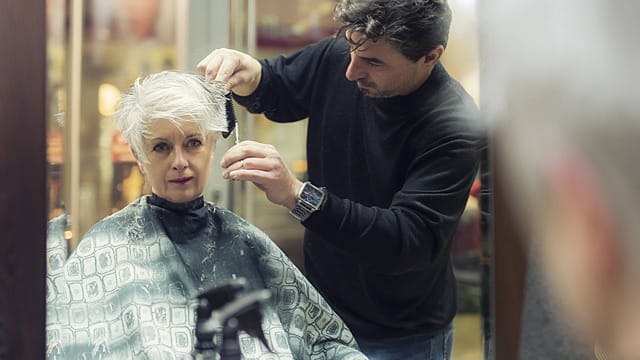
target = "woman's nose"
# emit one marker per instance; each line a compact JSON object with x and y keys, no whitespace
{"x":179,"y":160}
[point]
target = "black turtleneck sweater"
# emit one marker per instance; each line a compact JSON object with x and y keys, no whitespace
{"x":398,"y":172}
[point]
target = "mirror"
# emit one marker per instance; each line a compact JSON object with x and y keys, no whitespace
{"x":96,"y":48}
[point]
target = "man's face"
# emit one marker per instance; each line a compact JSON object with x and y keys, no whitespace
{"x":380,"y":70}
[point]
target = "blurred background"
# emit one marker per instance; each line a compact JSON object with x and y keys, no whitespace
{"x":96,"y":49}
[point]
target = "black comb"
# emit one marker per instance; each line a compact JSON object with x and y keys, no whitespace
{"x":231,"y":117}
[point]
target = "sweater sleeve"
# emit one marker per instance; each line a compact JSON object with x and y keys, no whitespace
{"x":315,"y":331}
{"x":417,"y":228}
{"x":287,"y":85}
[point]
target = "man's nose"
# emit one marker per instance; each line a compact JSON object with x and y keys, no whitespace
{"x":354,"y":71}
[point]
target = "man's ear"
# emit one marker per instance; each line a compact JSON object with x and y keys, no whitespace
{"x":434,"y":55}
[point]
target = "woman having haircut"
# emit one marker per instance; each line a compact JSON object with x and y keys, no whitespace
{"x":130,"y":288}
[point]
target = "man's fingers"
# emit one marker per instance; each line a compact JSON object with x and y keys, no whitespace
{"x":202,"y":65}
{"x":222,"y":76}
{"x":247,"y":149}
{"x":220,"y":65}
{"x":209,"y":67}
{"x":224,"y":71}
{"x":231,"y":71}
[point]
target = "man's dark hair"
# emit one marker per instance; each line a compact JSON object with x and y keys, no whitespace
{"x":414,"y":27}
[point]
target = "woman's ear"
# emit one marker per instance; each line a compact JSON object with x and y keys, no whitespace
{"x":214,"y":141}
{"x":135,"y":156}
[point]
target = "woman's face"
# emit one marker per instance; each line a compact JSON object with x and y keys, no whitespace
{"x":179,"y":160}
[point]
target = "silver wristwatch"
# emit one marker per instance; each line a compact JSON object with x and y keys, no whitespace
{"x":310,"y":199}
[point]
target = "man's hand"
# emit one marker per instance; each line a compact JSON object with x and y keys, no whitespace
{"x":241,"y":72}
{"x":262,"y":165}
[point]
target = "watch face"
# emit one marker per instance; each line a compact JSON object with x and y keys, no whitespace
{"x":312,"y":195}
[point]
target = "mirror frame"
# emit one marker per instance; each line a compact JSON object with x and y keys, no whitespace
{"x":23,"y":184}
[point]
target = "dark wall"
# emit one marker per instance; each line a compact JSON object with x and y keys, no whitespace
{"x":22,"y":179}
{"x":509,"y":268}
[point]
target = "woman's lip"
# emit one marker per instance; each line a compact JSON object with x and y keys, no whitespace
{"x":182,"y":180}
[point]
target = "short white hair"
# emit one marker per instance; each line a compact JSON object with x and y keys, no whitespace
{"x":175,"y":96}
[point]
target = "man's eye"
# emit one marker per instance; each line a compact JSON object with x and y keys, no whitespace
{"x":160,"y":147}
{"x":194,"y":143}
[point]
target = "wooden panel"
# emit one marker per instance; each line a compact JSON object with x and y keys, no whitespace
{"x":509,"y":267}
{"x":22,"y":178}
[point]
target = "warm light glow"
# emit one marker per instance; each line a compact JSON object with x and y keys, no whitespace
{"x":300,"y":166}
{"x":108,"y":97}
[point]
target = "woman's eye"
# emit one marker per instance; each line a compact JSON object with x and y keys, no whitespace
{"x":160,"y":147}
{"x":194,"y":143}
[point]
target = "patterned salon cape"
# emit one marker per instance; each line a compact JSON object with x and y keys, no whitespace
{"x":127,"y":291}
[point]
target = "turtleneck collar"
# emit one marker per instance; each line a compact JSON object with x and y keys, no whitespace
{"x":181,"y":221}
{"x":185,"y":207}
{"x":407,"y":102}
